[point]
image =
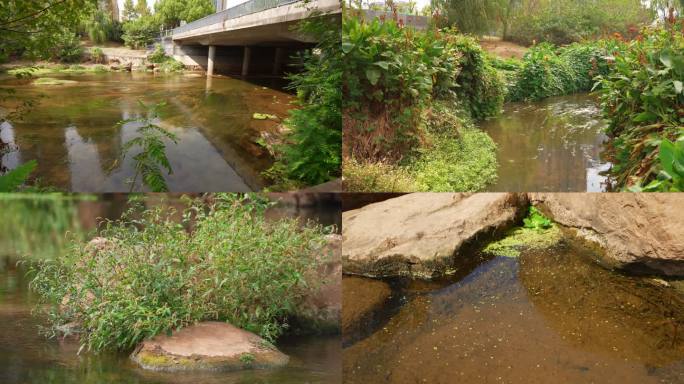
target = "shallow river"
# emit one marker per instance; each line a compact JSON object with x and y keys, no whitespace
{"x":72,"y":130}
{"x":548,"y":316}
{"x":551,"y":145}
{"x":27,"y":357}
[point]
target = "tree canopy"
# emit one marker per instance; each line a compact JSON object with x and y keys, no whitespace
{"x":170,"y":13}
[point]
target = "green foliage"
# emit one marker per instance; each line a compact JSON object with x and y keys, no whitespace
{"x":459,"y":156}
{"x":166,"y":63}
{"x":643,"y":99}
{"x":153,"y":275}
{"x":151,"y":159}
{"x":472,"y":16}
{"x":66,"y":48}
{"x":671,"y":177}
{"x":100,"y":27}
{"x":311,"y":153}
{"x":536,"y":220}
{"x":32,"y":28}
{"x":129,"y":11}
{"x":172,"y":12}
{"x":568,"y":21}
{"x":550,"y":71}
{"x":97,"y":55}
{"x":376,"y":176}
{"x":12,"y":180}
{"x":391,"y":76}
{"x":479,"y":86}
{"x":140,"y":32}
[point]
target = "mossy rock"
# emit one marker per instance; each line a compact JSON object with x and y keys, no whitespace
{"x":53,"y":81}
{"x":208,"y":346}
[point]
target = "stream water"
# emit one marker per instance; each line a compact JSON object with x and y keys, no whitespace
{"x":550,"y":145}
{"x":72,"y":130}
{"x":34,"y":228}
{"x":548,"y":316}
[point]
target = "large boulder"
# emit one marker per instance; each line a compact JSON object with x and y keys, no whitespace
{"x":641,"y":233}
{"x":363,"y":301}
{"x":212,"y":346}
{"x":423,"y":234}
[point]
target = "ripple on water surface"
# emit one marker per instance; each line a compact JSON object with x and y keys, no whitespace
{"x":548,"y":316}
{"x":552,"y":145}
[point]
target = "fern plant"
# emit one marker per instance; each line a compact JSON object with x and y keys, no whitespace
{"x":151,"y":161}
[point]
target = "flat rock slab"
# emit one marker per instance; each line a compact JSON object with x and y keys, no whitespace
{"x":212,"y":346}
{"x":638,"y":232}
{"x":423,"y":234}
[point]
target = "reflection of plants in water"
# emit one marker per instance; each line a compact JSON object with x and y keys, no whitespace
{"x":34,"y":224}
{"x":152,"y":159}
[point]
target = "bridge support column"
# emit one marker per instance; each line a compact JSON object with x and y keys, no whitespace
{"x":210,"y":63}
{"x":245,"y":61}
{"x":278,"y":62}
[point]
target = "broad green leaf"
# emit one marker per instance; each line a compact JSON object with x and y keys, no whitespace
{"x":666,"y":156}
{"x":373,"y":75}
{"x":645,"y":117}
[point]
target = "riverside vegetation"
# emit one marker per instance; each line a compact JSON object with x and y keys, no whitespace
{"x":413,"y":98}
{"x":148,"y":274}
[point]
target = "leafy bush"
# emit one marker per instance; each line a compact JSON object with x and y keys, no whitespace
{"x":140,"y":32}
{"x":643,"y":99}
{"x":166,"y":63}
{"x":97,"y":55}
{"x":479,"y":86}
{"x":391,"y":75}
{"x":151,"y":275}
{"x":311,"y":154}
{"x":101,"y":28}
{"x":570,"y":21}
{"x":550,"y":71}
{"x":377,"y":176}
{"x":66,"y":47}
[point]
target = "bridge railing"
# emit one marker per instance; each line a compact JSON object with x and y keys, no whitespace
{"x":246,"y":8}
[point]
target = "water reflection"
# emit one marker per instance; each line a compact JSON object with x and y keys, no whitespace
{"x":551,"y":145}
{"x":73,"y":135}
{"x":34,"y":226}
{"x":548,"y":316}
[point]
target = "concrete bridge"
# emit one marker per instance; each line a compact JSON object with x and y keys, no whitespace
{"x":252,"y":35}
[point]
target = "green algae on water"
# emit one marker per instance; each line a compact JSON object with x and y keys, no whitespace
{"x":519,"y":239}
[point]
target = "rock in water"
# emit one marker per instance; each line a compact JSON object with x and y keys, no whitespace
{"x":423,"y":234}
{"x":210,"y":346}
{"x":637,"y":232}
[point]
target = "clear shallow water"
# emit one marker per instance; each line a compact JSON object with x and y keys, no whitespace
{"x":72,"y":130}
{"x":34,"y":228}
{"x":551,"y":316}
{"x":551,"y":145}
{"x":28,"y":357}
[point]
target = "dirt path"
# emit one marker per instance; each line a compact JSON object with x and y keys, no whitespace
{"x":502,"y":49}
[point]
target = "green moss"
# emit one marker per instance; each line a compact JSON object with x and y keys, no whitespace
{"x":53,"y":81}
{"x":519,"y":239}
{"x":41,"y":70}
{"x":464,"y":163}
